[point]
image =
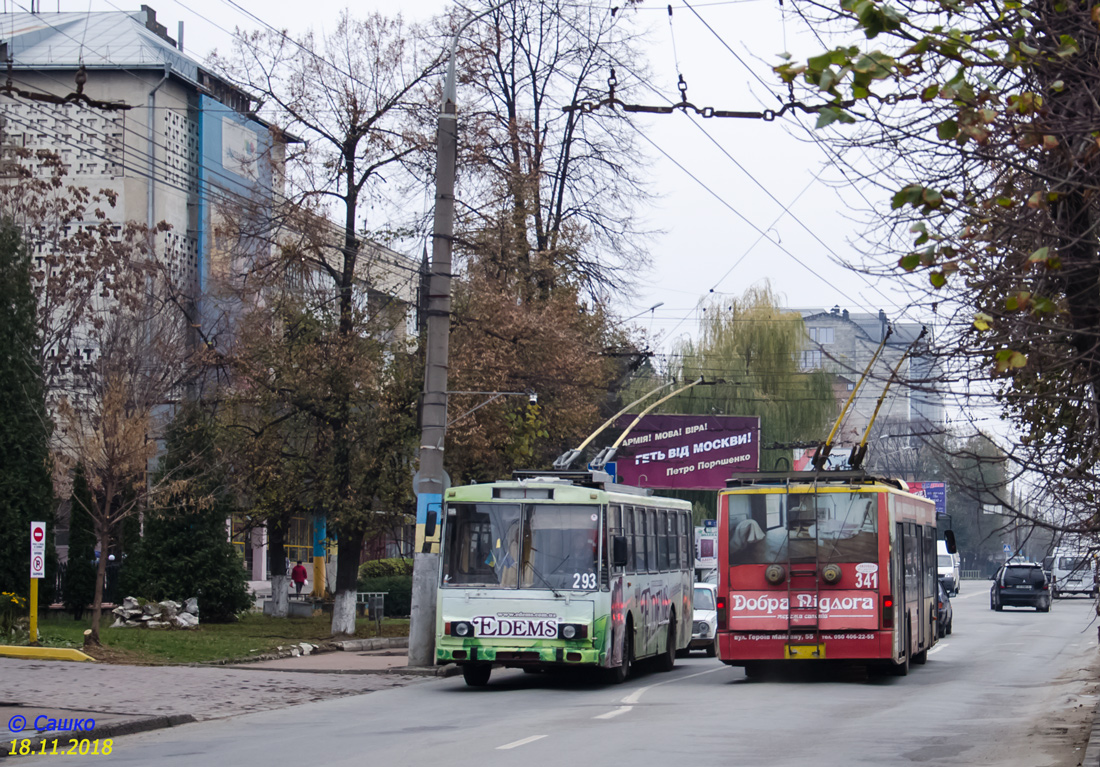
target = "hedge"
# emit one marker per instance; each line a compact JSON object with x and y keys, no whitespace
{"x":399,"y":599}
{"x":381,"y":568}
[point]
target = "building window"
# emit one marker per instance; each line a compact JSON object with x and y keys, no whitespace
{"x":811,"y":360}
{"x":821,"y":335}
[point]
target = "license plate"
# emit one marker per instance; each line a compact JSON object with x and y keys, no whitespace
{"x":1022,"y":587}
{"x":805,"y":651}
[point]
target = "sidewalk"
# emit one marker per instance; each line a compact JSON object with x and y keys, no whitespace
{"x":123,"y":699}
{"x":368,"y":662}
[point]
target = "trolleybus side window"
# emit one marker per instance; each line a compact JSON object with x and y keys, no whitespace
{"x":651,"y":540}
{"x":628,"y":532}
{"x":639,"y":539}
{"x":687,"y":542}
{"x":662,"y":540}
{"x":674,"y":540}
{"x":930,"y":568}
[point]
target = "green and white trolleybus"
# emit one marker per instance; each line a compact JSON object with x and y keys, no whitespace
{"x":563,"y":569}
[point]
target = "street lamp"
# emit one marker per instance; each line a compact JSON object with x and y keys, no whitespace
{"x":655,"y":306}
{"x":433,"y":409}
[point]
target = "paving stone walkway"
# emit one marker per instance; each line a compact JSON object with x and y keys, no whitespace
{"x":149,"y":691}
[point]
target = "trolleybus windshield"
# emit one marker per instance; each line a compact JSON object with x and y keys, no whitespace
{"x":534,"y":546}
{"x":766,"y":528}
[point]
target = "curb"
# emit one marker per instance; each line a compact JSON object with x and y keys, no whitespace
{"x":1092,"y":750}
{"x":43,"y":653}
{"x":377,"y":643}
{"x":114,"y":730}
{"x":430,"y":671}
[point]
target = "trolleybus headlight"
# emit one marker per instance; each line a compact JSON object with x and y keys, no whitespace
{"x":462,"y":629}
{"x":572,"y":631}
{"x":831,"y":574}
{"x":775,"y":574}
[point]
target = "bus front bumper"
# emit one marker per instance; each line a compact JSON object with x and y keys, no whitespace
{"x":517,"y":656}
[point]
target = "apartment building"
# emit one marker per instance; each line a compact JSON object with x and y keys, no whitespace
{"x":844,"y":342}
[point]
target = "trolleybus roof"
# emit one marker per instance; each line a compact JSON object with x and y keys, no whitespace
{"x":854,"y":477}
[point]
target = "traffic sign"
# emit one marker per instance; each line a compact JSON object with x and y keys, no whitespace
{"x":1008,"y":549}
{"x":38,"y":549}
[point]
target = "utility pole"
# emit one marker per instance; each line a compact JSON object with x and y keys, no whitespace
{"x":433,"y":408}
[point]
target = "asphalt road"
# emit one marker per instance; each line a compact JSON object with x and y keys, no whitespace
{"x":1016,"y":688}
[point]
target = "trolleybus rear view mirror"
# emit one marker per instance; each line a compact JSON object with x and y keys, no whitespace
{"x":429,"y":525}
{"x":618,"y":551}
{"x":949,"y":538}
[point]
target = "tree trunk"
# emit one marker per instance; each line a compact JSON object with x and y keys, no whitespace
{"x":350,"y":543}
{"x":100,"y":576}
{"x":280,"y":584}
{"x":280,"y":596}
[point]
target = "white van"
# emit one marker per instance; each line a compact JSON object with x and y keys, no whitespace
{"x":947,"y":567}
{"x":1073,"y":571}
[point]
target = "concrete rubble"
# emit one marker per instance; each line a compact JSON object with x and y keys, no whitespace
{"x":156,"y":615}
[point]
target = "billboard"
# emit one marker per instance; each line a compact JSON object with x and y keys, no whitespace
{"x":687,"y":452}
{"x":933,"y":491}
{"x":706,"y":547}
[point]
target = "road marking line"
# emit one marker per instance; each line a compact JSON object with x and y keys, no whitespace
{"x":615,"y":713}
{"x":519,"y":743}
{"x":633,"y":697}
{"x":938,"y":647}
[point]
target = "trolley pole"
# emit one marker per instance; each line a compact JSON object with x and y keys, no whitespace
{"x":433,"y":408}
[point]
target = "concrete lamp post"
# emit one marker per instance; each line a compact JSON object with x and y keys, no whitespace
{"x":433,"y":409}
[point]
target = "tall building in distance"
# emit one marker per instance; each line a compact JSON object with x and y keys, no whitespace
{"x":844,"y":343}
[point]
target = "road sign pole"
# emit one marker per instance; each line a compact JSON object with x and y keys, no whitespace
{"x":34,"y":611}
{"x":38,"y":570}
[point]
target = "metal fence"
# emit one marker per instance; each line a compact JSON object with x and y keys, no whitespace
{"x":371,"y":604}
{"x":110,"y":582}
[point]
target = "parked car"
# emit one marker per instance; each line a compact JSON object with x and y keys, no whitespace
{"x":705,"y":629}
{"x":1020,"y":584}
{"x":944,"y":612}
{"x":947,"y":568}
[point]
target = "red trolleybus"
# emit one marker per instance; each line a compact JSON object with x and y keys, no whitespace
{"x":822,"y":567}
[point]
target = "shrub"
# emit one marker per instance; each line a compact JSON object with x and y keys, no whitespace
{"x":399,"y":596}
{"x":380,"y":568}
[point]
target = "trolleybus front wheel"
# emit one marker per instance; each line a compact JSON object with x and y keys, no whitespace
{"x":476,"y":674}
{"x":667,"y":660}
{"x":619,"y":674}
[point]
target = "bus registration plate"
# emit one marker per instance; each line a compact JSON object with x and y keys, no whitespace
{"x":804,"y":652}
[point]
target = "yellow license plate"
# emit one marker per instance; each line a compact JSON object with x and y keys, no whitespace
{"x":805,"y":651}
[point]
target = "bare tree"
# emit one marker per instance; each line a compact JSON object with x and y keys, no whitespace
{"x":109,"y":420}
{"x":561,"y":189}
{"x":357,"y":99}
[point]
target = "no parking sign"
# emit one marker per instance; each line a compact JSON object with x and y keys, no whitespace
{"x":38,"y":549}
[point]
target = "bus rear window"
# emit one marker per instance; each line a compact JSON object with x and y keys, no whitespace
{"x":777,"y":527}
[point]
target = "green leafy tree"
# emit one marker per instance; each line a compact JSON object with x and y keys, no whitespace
{"x":186,"y":551}
{"x":749,"y":350}
{"x":980,"y":118}
{"x":26,"y":489}
{"x":752,"y":348}
{"x":79,"y":581}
